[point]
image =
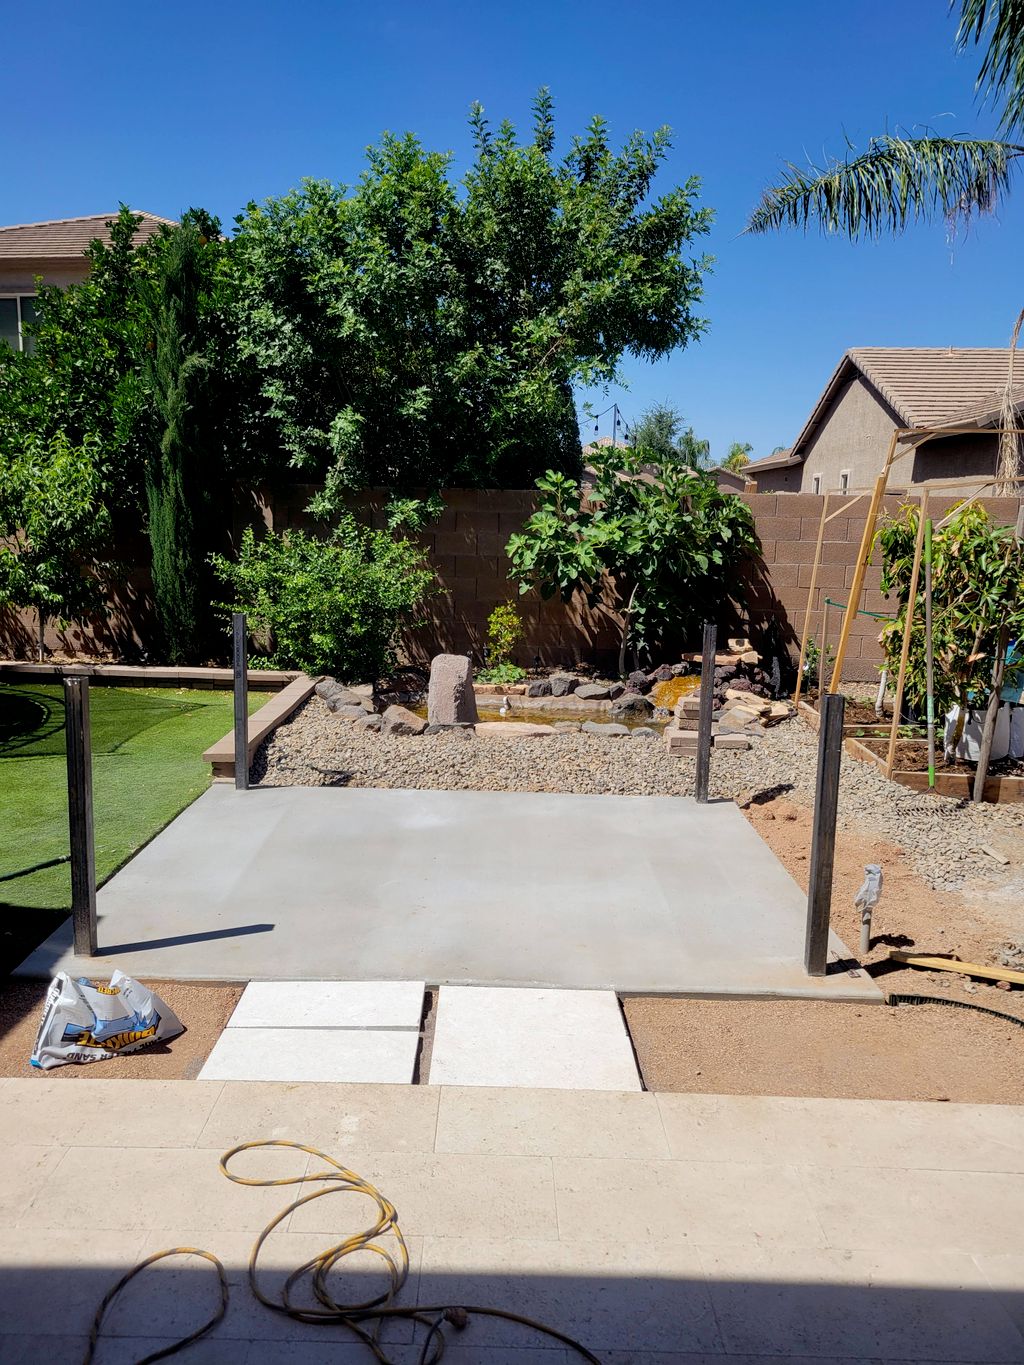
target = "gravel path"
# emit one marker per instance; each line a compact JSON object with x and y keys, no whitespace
{"x":941,"y":835}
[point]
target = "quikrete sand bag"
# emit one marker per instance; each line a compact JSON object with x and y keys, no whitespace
{"x":83,"y":1022}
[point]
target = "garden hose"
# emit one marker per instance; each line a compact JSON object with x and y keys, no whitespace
{"x":365,"y":1319}
{"x":957,"y":1004}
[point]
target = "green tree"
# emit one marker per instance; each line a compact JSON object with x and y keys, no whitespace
{"x":672,"y":545}
{"x":661,"y":438}
{"x":738,"y":457}
{"x":53,"y":529}
{"x":900,"y":179}
{"x":328,"y":605}
{"x":418,"y":332}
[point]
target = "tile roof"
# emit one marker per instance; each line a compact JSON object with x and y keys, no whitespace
{"x":778,"y":459}
{"x":64,"y":239}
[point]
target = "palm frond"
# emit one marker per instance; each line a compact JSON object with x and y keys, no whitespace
{"x":897,"y":181}
{"x":999,"y":25}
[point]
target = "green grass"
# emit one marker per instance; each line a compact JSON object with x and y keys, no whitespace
{"x":147,"y":767}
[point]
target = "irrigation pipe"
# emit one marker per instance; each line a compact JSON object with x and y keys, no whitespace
{"x":365,"y":1319}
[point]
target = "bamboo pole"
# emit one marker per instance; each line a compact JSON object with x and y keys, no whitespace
{"x":823,"y":651}
{"x":929,"y":651}
{"x":810,"y":603}
{"x":908,"y":630}
{"x":857,"y":586}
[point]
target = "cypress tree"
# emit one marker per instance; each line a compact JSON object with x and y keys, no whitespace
{"x":177,"y":369}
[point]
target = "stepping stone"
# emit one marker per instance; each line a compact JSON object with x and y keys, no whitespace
{"x":550,"y":1039}
{"x":330,"y":1004}
{"x":380,"y":1056}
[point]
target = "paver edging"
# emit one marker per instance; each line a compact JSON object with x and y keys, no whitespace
{"x":221,"y":756}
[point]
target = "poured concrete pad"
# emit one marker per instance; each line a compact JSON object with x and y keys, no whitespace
{"x":550,"y":1040}
{"x":330,"y":1004}
{"x":386,"y":1056}
{"x":639,"y":894}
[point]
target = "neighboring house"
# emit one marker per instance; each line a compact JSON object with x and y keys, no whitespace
{"x":54,"y":251}
{"x":876,"y":389}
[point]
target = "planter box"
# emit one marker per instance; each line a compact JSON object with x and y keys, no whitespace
{"x":960,"y":785}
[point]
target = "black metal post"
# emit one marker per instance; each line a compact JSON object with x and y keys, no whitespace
{"x":240,"y":664}
{"x":78,"y":743}
{"x":707,"y":706}
{"x":832,"y":708}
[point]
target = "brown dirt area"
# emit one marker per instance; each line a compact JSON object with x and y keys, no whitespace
{"x":815,"y":1048}
{"x":911,"y":756}
{"x":203,"y":1008}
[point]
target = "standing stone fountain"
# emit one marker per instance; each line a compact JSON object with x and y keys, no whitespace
{"x":450,"y":697}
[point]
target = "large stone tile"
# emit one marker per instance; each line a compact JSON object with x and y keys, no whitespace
{"x":584,"y":1123}
{"x":674,"y":1201}
{"x":606,"y":1295}
{"x":52,"y":1280}
{"x":385,"y":1056}
{"x":446,"y":1196}
{"x":899,"y":1301}
{"x":23,"y":1172}
{"x":146,"y":1114}
{"x":969,"y":1211}
{"x":492,"y":1036}
{"x":871,"y":1133}
{"x":342,"y":1120}
{"x":136,"y":1188}
{"x":330,"y":1004}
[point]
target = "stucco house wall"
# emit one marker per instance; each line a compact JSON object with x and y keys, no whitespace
{"x":957,"y":457}
{"x":854,"y":436}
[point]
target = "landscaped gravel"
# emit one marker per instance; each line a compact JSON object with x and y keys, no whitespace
{"x":941,"y":835}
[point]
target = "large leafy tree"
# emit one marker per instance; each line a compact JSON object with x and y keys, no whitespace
{"x":668,"y":543}
{"x":414,"y":331}
{"x":901,"y":179}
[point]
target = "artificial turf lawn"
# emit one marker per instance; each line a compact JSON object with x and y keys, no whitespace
{"x":147,"y":766}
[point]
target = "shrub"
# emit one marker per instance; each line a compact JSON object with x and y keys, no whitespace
{"x":504,"y":631}
{"x":332,"y":605}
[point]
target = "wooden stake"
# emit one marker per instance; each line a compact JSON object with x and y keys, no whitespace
{"x":929,"y":652}
{"x":810,"y":603}
{"x":857,"y":586}
{"x":908,"y":630}
{"x":949,"y":964}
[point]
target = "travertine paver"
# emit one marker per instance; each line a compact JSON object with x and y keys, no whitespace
{"x":387,"y":1056}
{"x":329,"y":1004}
{"x":495,"y":1036}
{"x":659,"y":1230}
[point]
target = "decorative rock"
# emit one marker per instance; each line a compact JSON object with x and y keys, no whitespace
{"x":643,"y":732}
{"x":371,"y":722}
{"x":630,"y":704}
{"x":593,"y":727}
{"x":538,"y":687}
{"x":450,"y":697}
{"x":504,"y":729}
{"x":567,"y":727}
{"x":592,"y":692}
{"x":639,"y":681}
{"x":335,"y":696}
{"x":562,"y":684}
{"x":616,"y":690}
{"x":398,"y":720}
{"x":662,"y":674}
{"x":349,"y":712}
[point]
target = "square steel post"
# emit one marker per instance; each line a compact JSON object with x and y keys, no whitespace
{"x":240,"y":664}
{"x":823,"y":836}
{"x":707,"y":704}
{"x":78,"y":743}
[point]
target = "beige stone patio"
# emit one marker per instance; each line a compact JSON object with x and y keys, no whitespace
{"x":675,"y":1229}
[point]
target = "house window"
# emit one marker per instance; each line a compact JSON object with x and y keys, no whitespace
{"x":17,"y":312}
{"x":844,"y":481}
{"x":816,"y":484}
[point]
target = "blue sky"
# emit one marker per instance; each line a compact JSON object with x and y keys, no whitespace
{"x":166,"y":106}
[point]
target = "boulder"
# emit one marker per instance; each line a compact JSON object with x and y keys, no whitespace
{"x":593,"y":727}
{"x":616,"y":690}
{"x":450,"y":698}
{"x":335,"y":696}
{"x":593,"y":692}
{"x":567,"y":727}
{"x":538,"y":687}
{"x":349,"y":712}
{"x":562,"y":684}
{"x":370,"y":721}
{"x":639,"y":681}
{"x":398,"y":720}
{"x":662,"y":674}
{"x":631,"y":704}
{"x":643,"y":732}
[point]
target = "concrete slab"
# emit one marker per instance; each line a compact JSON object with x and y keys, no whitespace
{"x":330,"y":1004}
{"x":637,"y":894}
{"x":386,"y":1056}
{"x":540,"y":1039}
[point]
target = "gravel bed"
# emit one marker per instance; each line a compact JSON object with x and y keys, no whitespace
{"x":941,"y":835}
